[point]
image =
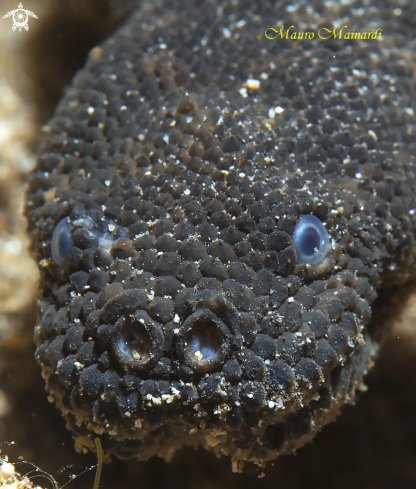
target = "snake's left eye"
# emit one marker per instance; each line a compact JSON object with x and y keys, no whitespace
{"x":62,"y":242}
{"x":310,"y":239}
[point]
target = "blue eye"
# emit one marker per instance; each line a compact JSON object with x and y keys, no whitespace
{"x":62,"y":242}
{"x":310,"y":239}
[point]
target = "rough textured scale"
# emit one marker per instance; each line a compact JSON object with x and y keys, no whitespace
{"x":181,"y":158}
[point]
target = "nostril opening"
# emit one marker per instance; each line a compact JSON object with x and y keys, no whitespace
{"x":134,"y":341}
{"x":62,"y":242}
{"x":204,"y":339}
{"x":138,"y":341}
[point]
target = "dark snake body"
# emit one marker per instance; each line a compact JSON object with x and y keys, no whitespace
{"x":183,"y":155}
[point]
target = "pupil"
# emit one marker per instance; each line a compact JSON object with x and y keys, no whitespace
{"x":310,"y":241}
{"x":65,"y":242}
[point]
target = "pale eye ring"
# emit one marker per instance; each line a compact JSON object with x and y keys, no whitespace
{"x":310,"y":240}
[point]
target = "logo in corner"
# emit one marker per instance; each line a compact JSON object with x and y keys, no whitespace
{"x":20,"y":17}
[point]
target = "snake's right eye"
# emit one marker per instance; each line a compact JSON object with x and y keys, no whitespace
{"x":62,"y":242}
